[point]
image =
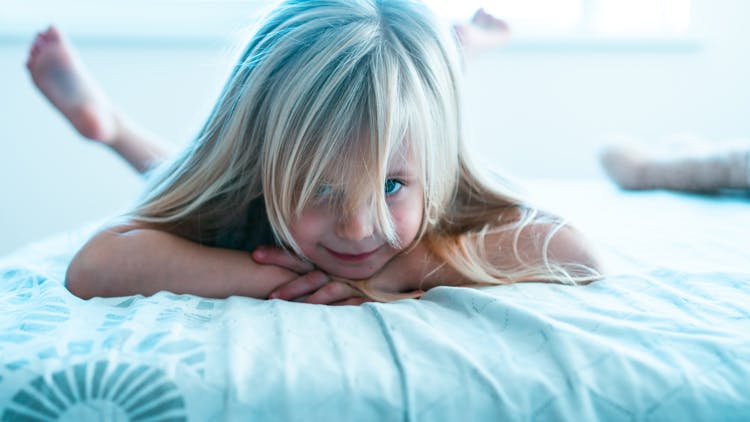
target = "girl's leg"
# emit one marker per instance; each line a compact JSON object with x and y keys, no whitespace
{"x":59,"y":74}
{"x":682,"y":167}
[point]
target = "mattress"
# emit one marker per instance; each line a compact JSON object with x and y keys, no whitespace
{"x":665,"y":336}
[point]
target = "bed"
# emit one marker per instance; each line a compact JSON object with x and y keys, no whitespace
{"x":666,"y":336}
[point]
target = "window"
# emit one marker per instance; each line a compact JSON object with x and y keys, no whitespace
{"x":216,"y":18}
{"x":589,"y":18}
{"x":164,"y":19}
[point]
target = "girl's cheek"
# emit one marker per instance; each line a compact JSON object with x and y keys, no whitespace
{"x":306,"y":228}
{"x":407,"y":219}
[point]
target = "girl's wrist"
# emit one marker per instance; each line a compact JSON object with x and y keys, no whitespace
{"x":434,"y":270}
{"x":416,"y":269}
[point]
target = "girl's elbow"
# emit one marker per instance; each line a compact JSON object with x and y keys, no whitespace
{"x":80,"y":277}
{"x":87,"y":273}
{"x":569,"y":248}
{"x":590,"y":267}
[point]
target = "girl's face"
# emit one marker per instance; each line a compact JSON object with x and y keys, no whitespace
{"x":350,"y":246}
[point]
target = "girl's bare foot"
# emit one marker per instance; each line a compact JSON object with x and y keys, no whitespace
{"x":483,"y":32}
{"x":61,"y":77}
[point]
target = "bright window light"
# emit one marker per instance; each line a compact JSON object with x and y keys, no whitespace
{"x":214,"y":18}
{"x":161,"y":19}
{"x":617,"y":17}
{"x":579,"y":17}
{"x":524,"y":16}
{"x":540,"y":15}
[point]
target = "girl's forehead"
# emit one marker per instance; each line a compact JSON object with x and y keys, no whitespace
{"x":402,"y":160}
{"x":361,"y":152}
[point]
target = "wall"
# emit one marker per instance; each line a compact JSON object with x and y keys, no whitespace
{"x":545,"y":110}
{"x":535,"y":110}
{"x":51,"y":179}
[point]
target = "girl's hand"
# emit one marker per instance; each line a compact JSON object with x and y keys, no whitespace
{"x":399,"y":279}
{"x":311,"y":286}
{"x":271,"y":255}
{"x":320,"y":290}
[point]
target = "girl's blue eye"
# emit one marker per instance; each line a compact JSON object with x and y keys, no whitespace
{"x":392,"y":186}
{"x":324,"y":190}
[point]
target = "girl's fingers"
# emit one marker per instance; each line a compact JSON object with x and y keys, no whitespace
{"x":271,"y":255}
{"x":334,"y":292}
{"x":301,"y":286}
{"x":355,"y":301}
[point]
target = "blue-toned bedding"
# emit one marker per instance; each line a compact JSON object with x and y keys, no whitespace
{"x":666,"y":336}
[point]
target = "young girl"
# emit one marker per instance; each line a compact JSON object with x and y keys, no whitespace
{"x":334,"y":155}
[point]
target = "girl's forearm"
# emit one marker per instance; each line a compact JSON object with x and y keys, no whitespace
{"x":122,"y":261}
{"x":417,"y":269}
{"x":421,"y":269}
{"x":567,"y":248}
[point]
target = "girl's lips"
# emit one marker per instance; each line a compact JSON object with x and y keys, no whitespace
{"x":352,"y":257}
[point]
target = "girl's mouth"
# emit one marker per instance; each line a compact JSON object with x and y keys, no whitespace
{"x":352,"y":257}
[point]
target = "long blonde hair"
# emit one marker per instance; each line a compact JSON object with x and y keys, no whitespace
{"x":316,"y":80}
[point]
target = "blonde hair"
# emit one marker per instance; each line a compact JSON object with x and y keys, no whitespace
{"x":325,"y":93}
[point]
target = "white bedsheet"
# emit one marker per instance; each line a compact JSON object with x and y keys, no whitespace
{"x":665,"y":337}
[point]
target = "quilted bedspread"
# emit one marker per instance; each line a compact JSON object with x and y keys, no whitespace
{"x":665,"y":336}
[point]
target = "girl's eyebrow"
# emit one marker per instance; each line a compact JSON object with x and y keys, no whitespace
{"x":400,"y":165}
{"x":399,"y":171}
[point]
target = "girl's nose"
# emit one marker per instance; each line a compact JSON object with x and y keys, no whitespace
{"x":357,"y":225}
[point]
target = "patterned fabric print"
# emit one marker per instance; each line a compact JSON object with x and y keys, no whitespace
{"x":32,"y":307}
{"x":184,"y":314}
{"x":668,"y":343}
{"x":100,"y":390}
{"x":68,"y":359}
